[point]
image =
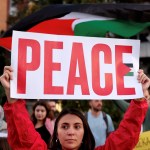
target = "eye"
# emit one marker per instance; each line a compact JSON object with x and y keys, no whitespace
{"x":37,"y":110}
{"x":77,"y":126}
{"x":42,"y":111}
{"x":65,"y":127}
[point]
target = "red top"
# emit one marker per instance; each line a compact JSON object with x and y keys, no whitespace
{"x":22,"y":134}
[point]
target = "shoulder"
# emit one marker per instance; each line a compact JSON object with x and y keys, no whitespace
{"x":106,"y":115}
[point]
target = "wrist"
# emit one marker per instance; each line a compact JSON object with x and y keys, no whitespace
{"x":140,"y":99}
{"x":7,"y":92}
{"x":146,"y":95}
{"x":9,"y":99}
{"x":147,"y":98}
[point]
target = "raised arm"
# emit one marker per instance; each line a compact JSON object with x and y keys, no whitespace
{"x":21,"y":132}
{"x":127,"y":134}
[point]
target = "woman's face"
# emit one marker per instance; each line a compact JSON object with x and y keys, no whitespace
{"x":40,"y":112}
{"x":70,"y":132}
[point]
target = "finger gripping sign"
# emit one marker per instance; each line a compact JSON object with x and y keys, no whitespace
{"x":74,"y":67}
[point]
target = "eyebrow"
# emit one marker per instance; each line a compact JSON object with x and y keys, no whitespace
{"x":74,"y":123}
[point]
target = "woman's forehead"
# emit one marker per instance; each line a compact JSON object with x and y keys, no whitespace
{"x":40,"y":107}
{"x":70,"y":118}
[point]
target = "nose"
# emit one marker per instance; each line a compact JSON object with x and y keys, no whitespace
{"x":39,"y":113}
{"x":70,"y":131}
{"x":99,"y":102}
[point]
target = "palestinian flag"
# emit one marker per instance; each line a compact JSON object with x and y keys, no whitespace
{"x":130,"y":73}
{"x":95,"y":20}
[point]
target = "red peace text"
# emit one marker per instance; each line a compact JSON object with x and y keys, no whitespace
{"x":77,"y":58}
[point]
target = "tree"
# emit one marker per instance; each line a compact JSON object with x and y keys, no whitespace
{"x":131,"y":1}
{"x":4,"y":60}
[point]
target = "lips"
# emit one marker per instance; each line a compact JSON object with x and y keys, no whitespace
{"x":39,"y":116}
{"x":70,"y":140}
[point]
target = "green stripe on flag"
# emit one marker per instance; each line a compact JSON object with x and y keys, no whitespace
{"x":99,"y":28}
{"x":131,"y":73}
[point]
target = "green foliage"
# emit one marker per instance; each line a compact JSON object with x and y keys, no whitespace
{"x":47,"y":2}
{"x":1,"y":91}
{"x":15,"y":2}
{"x":4,"y":60}
{"x":82,"y":105}
{"x":131,"y":1}
{"x":116,"y":114}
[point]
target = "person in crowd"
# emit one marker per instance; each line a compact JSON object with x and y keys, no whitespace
{"x":99,"y":122}
{"x":71,"y":131}
{"x":3,"y":124}
{"x":38,"y":117}
{"x":53,"y":113}
{"x":52,"y":106}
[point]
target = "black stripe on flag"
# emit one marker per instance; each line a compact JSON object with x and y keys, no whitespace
{"x":130,"y":66}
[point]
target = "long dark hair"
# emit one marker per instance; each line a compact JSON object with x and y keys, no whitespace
{"x":88,"y":142}
{"x":39,"y":103}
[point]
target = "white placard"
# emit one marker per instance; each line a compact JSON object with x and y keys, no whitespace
{"x":73,"y":67}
